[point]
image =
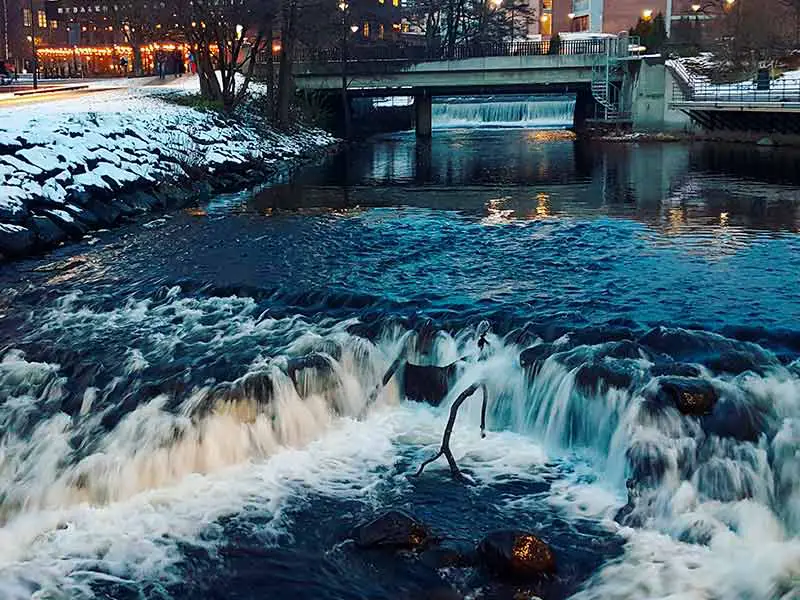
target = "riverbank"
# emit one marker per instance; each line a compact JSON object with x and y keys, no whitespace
{"x":70,"y":167}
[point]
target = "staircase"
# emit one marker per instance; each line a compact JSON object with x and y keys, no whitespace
{"x":604,"y":91}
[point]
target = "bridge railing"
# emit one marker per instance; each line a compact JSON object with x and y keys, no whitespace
{"x":412,"y":54}
{"x":698,"y":88}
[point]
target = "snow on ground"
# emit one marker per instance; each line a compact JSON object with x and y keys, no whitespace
{"x":87,"y":149}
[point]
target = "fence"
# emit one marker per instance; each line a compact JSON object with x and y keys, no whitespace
{"x":697,"y":88}
{"x":411,"y":54}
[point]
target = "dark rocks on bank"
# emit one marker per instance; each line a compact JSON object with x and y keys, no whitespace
{"x":695,"y":397}
{"x":74,"y":227}
{"x":47,"y":232}
{"x":428,"y":383}
{"x":516,"y":554}
{"x":106,"y":212}
{"x":16,"y":240}
{"x":394,"y":529}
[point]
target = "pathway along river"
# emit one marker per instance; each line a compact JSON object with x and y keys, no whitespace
{"x":136,"y":463}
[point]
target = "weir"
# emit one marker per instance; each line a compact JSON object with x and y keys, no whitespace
{"x":538,"y":111}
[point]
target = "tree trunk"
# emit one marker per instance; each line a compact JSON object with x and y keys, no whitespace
{"x":137,"y":60}
{"x":270,"y":66}
{"x":285,"y":79}
{"x":209,"y":84}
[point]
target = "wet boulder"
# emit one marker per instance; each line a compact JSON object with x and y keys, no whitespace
{"x":601,"y":376}
{"x":531,"y":359}
{"x":428,"y":383}
{"x":47,"y":232}
{"x":450,"y":553}
{"x":675,"y":369}
{"x":393,"y":529}
{"x":516,"y":554}
{"x":739,"y":361}
{"x":691,"y":396}
{"x":15,"y":240}
{"x":740,"y":417}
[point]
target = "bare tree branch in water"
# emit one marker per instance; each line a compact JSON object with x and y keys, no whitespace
{"x":448,"y":431}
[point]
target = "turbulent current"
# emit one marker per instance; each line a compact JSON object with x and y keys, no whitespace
{"x":188,"y":408}
{"x":539,"y":112}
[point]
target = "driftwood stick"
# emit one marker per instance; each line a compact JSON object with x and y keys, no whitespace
{"x":448,"y":432}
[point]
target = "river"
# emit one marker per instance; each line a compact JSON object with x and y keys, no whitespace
{"x":153,"y":447}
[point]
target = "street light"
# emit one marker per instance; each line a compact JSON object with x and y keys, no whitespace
{"x":353,"y":27}
{"x":647,"y":14}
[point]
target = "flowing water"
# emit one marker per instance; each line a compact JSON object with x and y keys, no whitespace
{"x":533,"y":112}
{"x":155,"y":446}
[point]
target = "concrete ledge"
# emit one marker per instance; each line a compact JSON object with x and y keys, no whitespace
{"x":768,"y":107}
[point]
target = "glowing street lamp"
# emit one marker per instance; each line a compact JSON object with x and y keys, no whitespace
{"x":695,"y":8}
{"x":497,"y":3}
{"x":571,"y":16}
{"x":647,"y":14}
{"x":353,"y":27}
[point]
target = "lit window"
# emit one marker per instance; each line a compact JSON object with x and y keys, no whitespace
{"x":41,"y":19}
{"x":406,"y":27}
{"x":396,"y":26}
{"x":395,"y":2}
{"x":380,"y":31}
{"x":53,"y":24}
{"x":61,"y":11}
{"x":366,"y":30}
{"x":547,"y":4}
{"x":381,"y":1}
{"x":26,"y":17}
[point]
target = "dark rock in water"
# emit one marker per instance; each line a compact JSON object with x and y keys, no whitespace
{"x":84,"y":215}
{"x":450,"y":553}
{"x":624,"y":349}
{"x":531,"y":359}
{"x":314,"y":360}
{"x":67,"y":222}
{"x":15,"y":240}
{"x":394,"y":529}
{"x":13,"y":213}
{"x":739,"y":417}
{"x":737,"y":361}
{"x":675,"y":369}
{"x":516,"y":554}
{"x":427,"y":383}
{"x":141,"y":202}
{"x":106,"y":212}
{"x":600,"y":376}
{"x":718,"y":352}
{"x":47,"y":232}
{"x":441,"y":593}
{"x":690,"y":396}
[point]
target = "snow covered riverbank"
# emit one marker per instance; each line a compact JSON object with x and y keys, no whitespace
{"x":70,"y":166}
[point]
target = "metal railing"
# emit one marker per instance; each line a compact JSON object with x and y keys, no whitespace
{"x":698,"y":88}
{"x":411,"y":54}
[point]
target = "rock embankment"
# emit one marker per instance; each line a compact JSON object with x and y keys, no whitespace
{"x":67,"y":168}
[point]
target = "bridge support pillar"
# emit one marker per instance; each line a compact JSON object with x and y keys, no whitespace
{"x":423,"y":107}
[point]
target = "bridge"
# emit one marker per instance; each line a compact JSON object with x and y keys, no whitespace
{"x":594,"y":69}
{"x":767,"y":107}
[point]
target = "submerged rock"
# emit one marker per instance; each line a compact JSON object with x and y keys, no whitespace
{"x":428,"y":383}
{"x":450,"y":553}
{"x":516,"y":554}
{"x":393,"y":529}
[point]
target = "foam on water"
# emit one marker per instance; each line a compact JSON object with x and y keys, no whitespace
{"x":85,"y":497}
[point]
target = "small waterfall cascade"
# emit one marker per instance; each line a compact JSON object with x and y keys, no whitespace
{"x":535,"y":112}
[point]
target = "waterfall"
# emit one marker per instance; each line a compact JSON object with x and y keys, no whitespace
{"x":539,"y":112}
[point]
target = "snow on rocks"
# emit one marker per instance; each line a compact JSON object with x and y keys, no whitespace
{"x":72,"y":165}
